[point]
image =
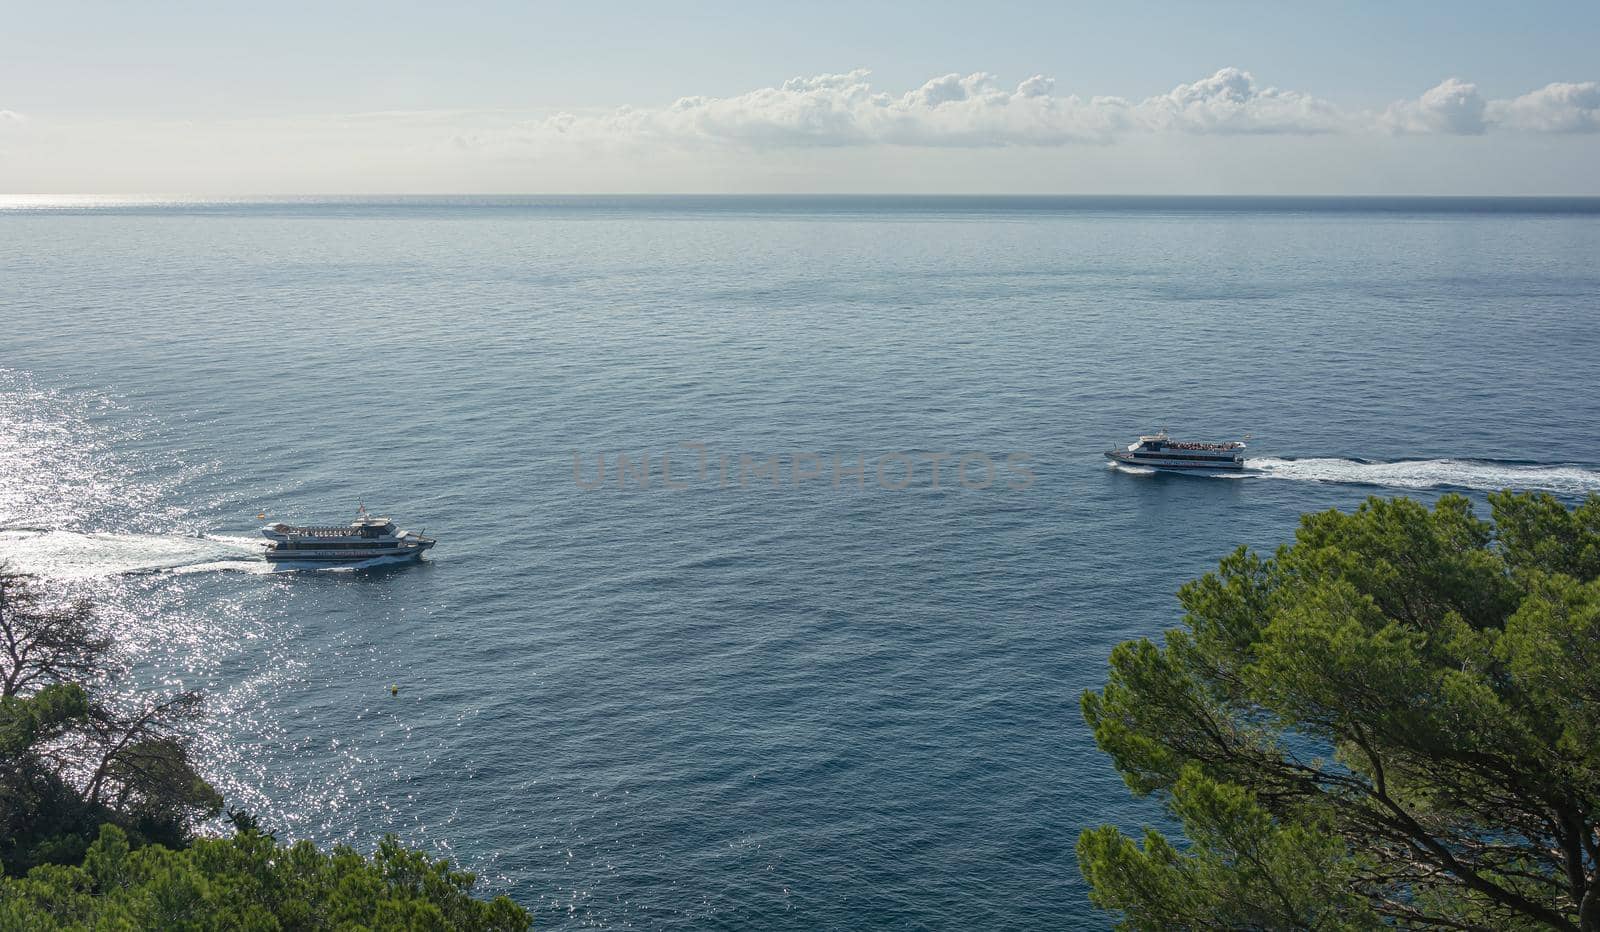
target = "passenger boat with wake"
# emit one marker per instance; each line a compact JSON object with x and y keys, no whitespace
{"x":1162,"y":452}
{"x":366,"y":538}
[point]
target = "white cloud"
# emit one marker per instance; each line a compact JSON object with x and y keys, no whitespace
{"x":1554,"y":108}
{"x":1037,"y":86}
{"x":978,"y":111}
{"x":1230,"y":102}
{"x":1452,"y":107}
{"x":954,"y":110}
{"x":10,"y":116}
{"x":843,"y":109}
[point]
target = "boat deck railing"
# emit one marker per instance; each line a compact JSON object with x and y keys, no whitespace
{"x":347,"y":531}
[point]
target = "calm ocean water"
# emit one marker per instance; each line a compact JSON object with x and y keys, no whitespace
{"x":785,"y":706}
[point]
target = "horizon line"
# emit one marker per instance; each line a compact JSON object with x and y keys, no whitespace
{"x":9,"y":202}
{"x":198,"y":195}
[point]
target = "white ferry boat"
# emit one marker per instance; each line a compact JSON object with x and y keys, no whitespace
{"x":1160,"y":451}
{"x":365,"y":538}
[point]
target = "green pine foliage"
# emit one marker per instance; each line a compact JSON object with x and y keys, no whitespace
{"x":1394,"y":721}
{"x":100,"y":803}
{"x":250,"y":882}
{"x":74,"y":755}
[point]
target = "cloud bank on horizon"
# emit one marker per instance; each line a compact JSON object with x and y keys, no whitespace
{"x":1225,"y":133}
{"x":976,"y":110}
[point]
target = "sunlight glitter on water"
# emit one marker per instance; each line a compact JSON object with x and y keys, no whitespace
{"x":74,"y":555}
{"x":81,"y":508}
{"x":28,"y":202}
{"x":63,"y":464}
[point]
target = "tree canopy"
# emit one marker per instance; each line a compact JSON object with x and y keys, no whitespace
{"x":249,"y":881}
{"x":74,"y":755}
{"x":100,"y":801}
{"x":1392,"y":721}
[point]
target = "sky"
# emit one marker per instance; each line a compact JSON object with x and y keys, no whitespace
{"x":1220,"y":97}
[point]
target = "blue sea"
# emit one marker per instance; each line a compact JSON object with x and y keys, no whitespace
{"x":791,"y":682}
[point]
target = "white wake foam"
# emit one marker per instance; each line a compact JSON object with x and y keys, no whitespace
{"x":316,"y":566}
{"x":1477,"y":475}
{"x":72,"y":555}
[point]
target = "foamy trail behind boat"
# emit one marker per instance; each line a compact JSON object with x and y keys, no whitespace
{"x":72,"y":555}
{"x":1475,"y":475}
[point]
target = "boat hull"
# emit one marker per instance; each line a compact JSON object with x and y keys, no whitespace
{"x":1163,"y":462}
{"x":340,"y":556}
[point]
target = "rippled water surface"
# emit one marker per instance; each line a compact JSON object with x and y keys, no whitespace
{"x":791,"y":705}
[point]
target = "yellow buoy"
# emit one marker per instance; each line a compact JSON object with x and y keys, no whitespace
{"x":394,"y":690}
